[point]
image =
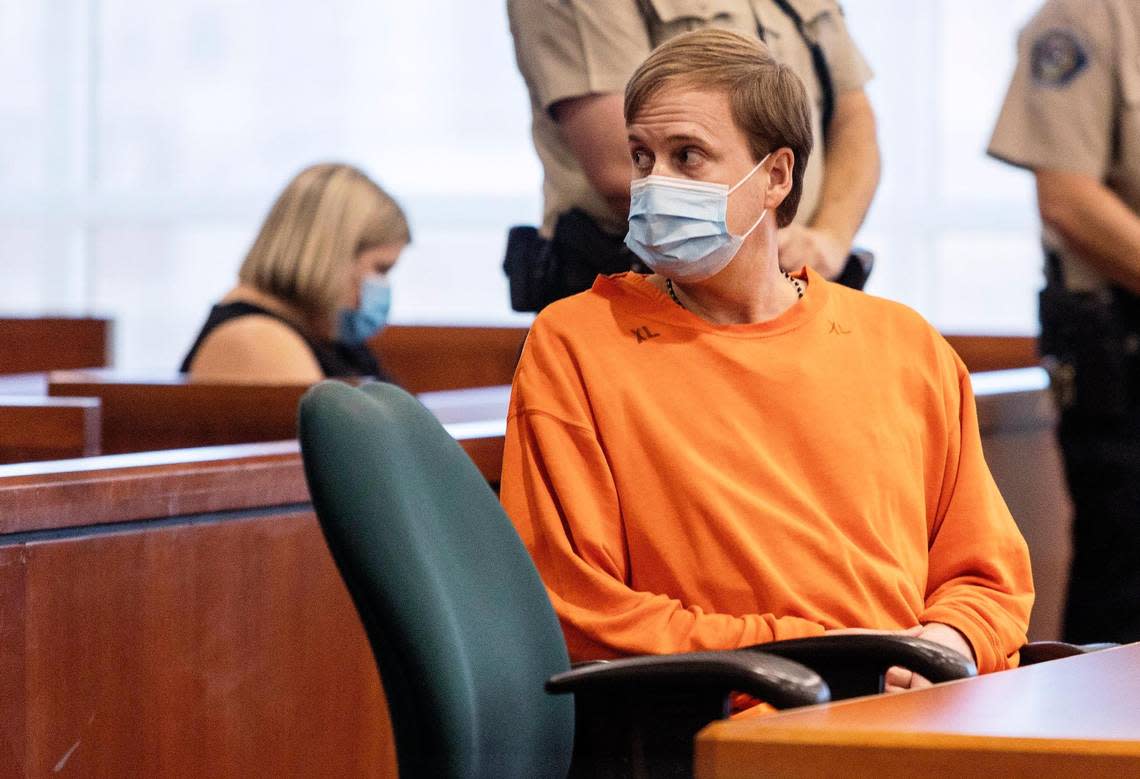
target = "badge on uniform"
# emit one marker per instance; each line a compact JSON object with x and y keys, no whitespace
{"x":1058,"y":58}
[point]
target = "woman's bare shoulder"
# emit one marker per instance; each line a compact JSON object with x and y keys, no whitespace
{"x":255,"y":349}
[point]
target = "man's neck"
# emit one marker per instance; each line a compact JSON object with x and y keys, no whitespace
{"x":752,"y":289}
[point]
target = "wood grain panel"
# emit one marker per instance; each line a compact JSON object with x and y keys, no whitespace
{"x":124,"y":488}
{"x":129,"y":487}
{"x":143,"y":416}
{"x":227,"y":649}
{"x":39,"y":428}
{"x":29,"y":344}
{"x":208,"y":634}
{"x":13,"y":570}
{"x":995,"y":352}
{"x":907,"y":757}
{"x":1071,"y":717}
{"x":431,"y":358}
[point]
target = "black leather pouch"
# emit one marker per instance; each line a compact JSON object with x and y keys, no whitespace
{"x":1090,"y":343}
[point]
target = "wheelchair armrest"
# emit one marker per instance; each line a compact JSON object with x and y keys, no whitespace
{"x":855,"y":665}
{"x":779,"y":681}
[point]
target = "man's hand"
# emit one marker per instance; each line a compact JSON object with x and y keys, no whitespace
{"x":815,"y":247}
{"x":899,"y":679}
{"x":850,"y":176}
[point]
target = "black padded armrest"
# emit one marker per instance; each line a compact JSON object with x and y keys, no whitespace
{"x":854,"y":664}
{"x":638,"y":716}
{"x":1044,"y":651}
{"x":779,"y":681}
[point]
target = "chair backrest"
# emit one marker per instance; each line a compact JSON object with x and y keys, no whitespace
{"x":460,"y":624}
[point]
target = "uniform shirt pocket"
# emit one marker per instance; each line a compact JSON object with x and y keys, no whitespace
{"x":824,"y":25}
{"x":669,"y":18}
{"x":811,"y":11}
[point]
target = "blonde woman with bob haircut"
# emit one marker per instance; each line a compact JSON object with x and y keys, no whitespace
{"x":313,"y":288}
{"x":723,"y":454}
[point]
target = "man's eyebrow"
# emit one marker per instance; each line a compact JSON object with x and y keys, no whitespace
{"x":675,"y":138}
{"x":686,"y":138}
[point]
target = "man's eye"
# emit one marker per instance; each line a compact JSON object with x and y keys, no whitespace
{"x":690,"y":156}
{"x":641,"y":159}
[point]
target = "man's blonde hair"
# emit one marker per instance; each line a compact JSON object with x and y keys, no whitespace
{"x":327,"y":215}
{"x":768,"y":100}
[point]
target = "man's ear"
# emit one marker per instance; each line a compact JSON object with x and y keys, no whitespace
{"x":779,"y":166}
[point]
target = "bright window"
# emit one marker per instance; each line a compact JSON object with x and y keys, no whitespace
{"x":142,"y":143}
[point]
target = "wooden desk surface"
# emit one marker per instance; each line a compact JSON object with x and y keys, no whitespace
{"x":1074,"y":717}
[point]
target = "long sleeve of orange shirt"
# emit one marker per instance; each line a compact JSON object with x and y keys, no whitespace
{"x":685,"y":486}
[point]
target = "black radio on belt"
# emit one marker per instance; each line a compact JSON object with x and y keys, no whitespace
{"x":541,"y":271}
{"x":1091,"y":345}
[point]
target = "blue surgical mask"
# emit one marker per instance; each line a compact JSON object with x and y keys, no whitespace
{"x":679,"y":227}
{"x":359,"y":324}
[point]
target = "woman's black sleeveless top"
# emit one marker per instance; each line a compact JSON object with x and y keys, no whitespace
{"x":337,"y":360}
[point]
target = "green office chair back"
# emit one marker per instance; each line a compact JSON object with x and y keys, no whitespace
{"x":459,"y":622}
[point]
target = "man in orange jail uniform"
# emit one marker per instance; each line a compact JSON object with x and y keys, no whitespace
{"x":722,"y":454}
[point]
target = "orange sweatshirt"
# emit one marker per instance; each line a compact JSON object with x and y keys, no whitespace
{"x":685,"y":486}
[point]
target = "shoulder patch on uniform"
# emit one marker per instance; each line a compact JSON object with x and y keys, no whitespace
{"x":1058,"y":58}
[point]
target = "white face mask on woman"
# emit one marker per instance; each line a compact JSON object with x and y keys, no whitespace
{"x":679,"y":227}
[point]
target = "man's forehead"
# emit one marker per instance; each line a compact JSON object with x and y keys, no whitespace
{"x":678,"y":111}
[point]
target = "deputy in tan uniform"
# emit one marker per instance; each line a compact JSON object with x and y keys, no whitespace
{"x":576,"y":56}
{"x":1072,"y":117}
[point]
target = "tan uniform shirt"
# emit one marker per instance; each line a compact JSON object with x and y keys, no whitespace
{"x":1074,"y":105}
{"x":572,"y":48}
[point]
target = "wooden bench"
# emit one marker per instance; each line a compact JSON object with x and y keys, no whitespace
{"x":430,"y":358}
{"x":42,"y":428}
{"x":148,"y":414}
{"x":420,"y":358}
{"x":143,"y":415}
{"x":178,"y":614}
{"x":995,"y":352}
{"x":29,"y":344}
